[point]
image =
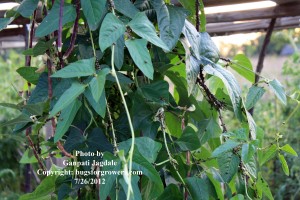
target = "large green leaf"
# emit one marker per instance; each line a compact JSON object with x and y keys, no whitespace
{"x":4,"y":22}
{"x":29,"y":74}
{"x":251,"y":167}
{"x":110,"y":179}
{"x":97,"y":84}
{"x":111,"y":30}
{"x":97,"y":141}
{"x":146,"y":146}
{"x":141,"y":164}
{"x":197,"y":188}
{"x":27,"y":7}
{"x":254,"y":94}
{"x":284,"y":165}
{"x":170,"y":22}
{"x":67,"y":97}
{"x":65,"y":119}
{"x":23,"y":118}
{"x":51,"y":21}
{"x":268,"y":154}
{"x":98,"y":106}
{"x":119,"y":52}
{"x":85,"y":67}
{"x":228,"y":145}
{"x":228,"y":164}
{"x":189,"y":140}
{"x":288,"y":149}
{"x":242,"y":65}
{"x":126,"y":8}
{"x":193,"y":38}
{"x":171,"y":192}
{"x":44,"y":190}
{"x":141,"y":25}
{"x":278,"y":90}
{"x":140,"y":55}
{"x":208,"y":49}
{"x":263,"y":188}
{"x":135,"y":188}
{"x":173,"y":124}
{"x":192,"y":67}
{"x":231,"y":84}
{"x":157,"y":91}
{"x":93,"y":11}
{"x":248,"y":151}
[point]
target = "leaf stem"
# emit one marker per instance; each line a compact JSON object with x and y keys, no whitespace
{"x":92,"y":40}
{"x":59,"y":34}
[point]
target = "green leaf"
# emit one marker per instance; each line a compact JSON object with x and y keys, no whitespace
{"x":157,"y":91}
{"x":193,"y":38}
{"x":173,"y":124}
{"x":37,"y":108}
{"x":27,"y":158}
{"x":248,"y":151}
{"x":67,"y":97}
{"x":171,"y":192}
{"x":85,"y":67}
{"x":242,"y":65}
{"x":40,"y":48}
{"x":10,"y":105}
{"x":65,"y":119}
{"x":268,"y":154}
{"x":252,"y":125}
{"x":278,"y":90}
{"x":192,"y":67}
{"x":23,"y":118}
{"x":111,"y":30}
{"x":29,"y":74}
{"x":228,"y":164}
{"x":141,"y":164}
{"x":110,"y":179}
{"x":237,"y":197}
{"x":98,"y":106}
{"x":44,"y":190}
{"x":27,"y":7}
{"x":97,"y":84}
{"x":250,"y":166}
{"x":254,"y":94}
{"x":228,"y":145}
{"x":146,"y":146}
{"x":197,"y":188}
{"x":50,"y":22}
{"x":288,"y":149}
{"x":126,"y":8}
{"x":263,"y":188}
{"x":119,"y":52}
{"x":141,"y":25}
{"x":93,"y":11}
{"x":231,"y":84}
{"x":93,"y":141}
{"x":74,"y":140}
{"x":135,"y":187}
{"x":170,"y":22}
{"x":140,"y":55}
{"x":284,"y":164}
{"x":4,"y":22}
{"x":189,"y":140}
{"x":208,"y":49}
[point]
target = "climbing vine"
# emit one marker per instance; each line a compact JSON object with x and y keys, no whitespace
{"x":135,"y":97}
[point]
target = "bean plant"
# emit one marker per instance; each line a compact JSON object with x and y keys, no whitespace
{"x":138,"y":87}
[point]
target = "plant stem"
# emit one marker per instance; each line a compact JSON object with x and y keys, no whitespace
{"x":92,"y":40}
{"x":161,"y":163}
{"x":116,"y":150}
{"x":130,"y":156}
{"x":75,"y":30}
{"x":59,"y":34}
